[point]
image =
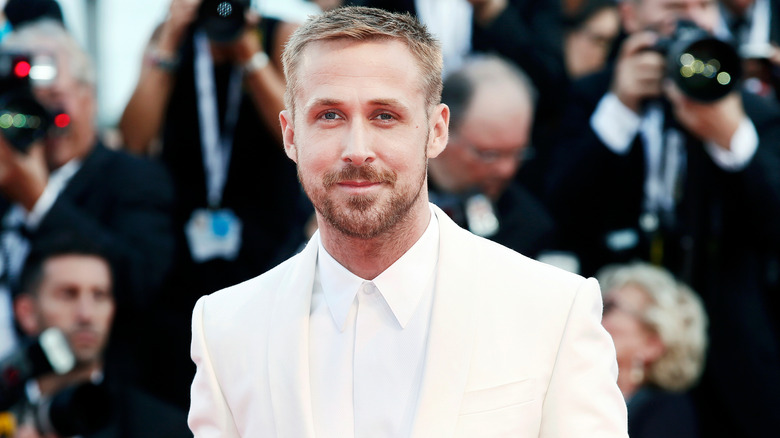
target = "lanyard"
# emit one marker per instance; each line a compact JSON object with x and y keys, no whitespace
{"x":215,"y":145}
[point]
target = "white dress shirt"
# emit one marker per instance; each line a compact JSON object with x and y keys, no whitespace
{"x":367,"y":342}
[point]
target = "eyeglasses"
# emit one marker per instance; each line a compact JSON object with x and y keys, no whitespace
{"x":492,"y":156}
{"x":610,"y":305}
{"x":599,"y":39}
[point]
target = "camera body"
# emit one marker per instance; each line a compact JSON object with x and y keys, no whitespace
{"x":79,"y":409}
{"x":23,"y":119}
{"x":703,"y":67}
{"x":223,"y":20}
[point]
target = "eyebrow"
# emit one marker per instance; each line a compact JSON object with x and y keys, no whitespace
{"x":327,"y":101}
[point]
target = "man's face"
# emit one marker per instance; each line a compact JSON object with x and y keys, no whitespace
{"x":362,"y":134}
{"x":75,"y":296}
{"x":662,"y":15}
{"x":487,"y":149}
{"x":77,"y":99}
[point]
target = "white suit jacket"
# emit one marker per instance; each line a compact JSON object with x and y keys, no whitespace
{"x":515,"y":349}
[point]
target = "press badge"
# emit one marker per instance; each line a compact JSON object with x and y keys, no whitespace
{"x":480,"y":216}
{"x":213,"y":234}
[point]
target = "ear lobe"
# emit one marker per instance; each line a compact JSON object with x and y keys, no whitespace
{"x":288,"y":135}
{"x":24,"y":308}
{"x":440,"y":131}
{"x":655,"y":348}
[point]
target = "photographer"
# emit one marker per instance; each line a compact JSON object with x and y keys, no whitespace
{"x":68,"y":181}
{"x":689,"y":183}
{"x":211,"y":89}
{"x":67,"y":283}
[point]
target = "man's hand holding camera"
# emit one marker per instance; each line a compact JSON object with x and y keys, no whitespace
{"x":181,"y":14}
{"x":639,"y":71}
{"x":23,"y":175}
{"x":715,"y":122}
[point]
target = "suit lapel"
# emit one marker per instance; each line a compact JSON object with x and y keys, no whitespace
{"x":450,"y":337}
{"x":288,"y":348}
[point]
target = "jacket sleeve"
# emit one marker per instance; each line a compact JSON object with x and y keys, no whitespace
{"x":583,"y":399}
{"x":209,"y":415}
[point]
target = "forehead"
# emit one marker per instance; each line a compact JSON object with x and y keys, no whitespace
{"x":499,"y":109}
{"x":76,"y":268}
{"x":631,"y":293}
{"x":344,"y":69}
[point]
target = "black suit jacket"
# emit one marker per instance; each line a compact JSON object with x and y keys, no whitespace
{"x":123,"y":203}
{"x":525,"y":225}
{"x":655,"y":413}
{"x":137,"y":414}
{"x":724,"y":242}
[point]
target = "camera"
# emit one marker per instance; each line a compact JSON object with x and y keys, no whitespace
{"x":48,"y":353}
{"x":703,"y":67}
{"x":223,"y":20}
{"x":76,"y":410}
{"x":23,"y":119}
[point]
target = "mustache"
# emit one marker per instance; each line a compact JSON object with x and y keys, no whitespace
{"x":366,"y":172}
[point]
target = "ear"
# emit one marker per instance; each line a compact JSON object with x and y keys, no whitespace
{"x":654,"y":348}
{"x":440,"y":132}
{"x":288,"y":135}
{"x":24,"y":309}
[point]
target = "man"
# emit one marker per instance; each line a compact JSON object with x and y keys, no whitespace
{"x":473,"y":180}
{"x":688,"y":185}
{"x":213,"y":101}
{"x":67,"y":283}
{"x":69,"y":181}
{"x":393,"y":321}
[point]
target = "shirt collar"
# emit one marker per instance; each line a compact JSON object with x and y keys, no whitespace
{"x":402,"y":285}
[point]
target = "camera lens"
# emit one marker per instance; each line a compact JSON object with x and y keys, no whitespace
{"x":704,"y":67}
{"x":222,"y":20}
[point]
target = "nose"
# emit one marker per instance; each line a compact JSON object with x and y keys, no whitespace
{"x":49,"y":96}
{"x":357,"y":145}
{"x":505,"y":167}
{"x":86,"y":308}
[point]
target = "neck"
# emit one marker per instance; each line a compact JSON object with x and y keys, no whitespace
{"x":367,"y":258}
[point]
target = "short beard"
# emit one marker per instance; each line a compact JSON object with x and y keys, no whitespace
{"x":363,"y":218}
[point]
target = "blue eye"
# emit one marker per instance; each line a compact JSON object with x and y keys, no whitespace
{"x":330,"y":116}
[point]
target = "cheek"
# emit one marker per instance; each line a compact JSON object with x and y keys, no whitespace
{"x":57,"y":314}
{"x":105,"y":314}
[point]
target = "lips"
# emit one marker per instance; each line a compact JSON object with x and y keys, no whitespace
{"x":84,"y":337}
{"x":359,"y":183}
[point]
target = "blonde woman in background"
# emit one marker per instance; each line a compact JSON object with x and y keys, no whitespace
{"x":658,"y":325}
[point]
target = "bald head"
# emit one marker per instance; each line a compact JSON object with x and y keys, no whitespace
{"x":491,"y":103}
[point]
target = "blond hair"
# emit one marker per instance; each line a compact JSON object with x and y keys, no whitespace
{"x":366,"y":24}
{"x":675,"y":314}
